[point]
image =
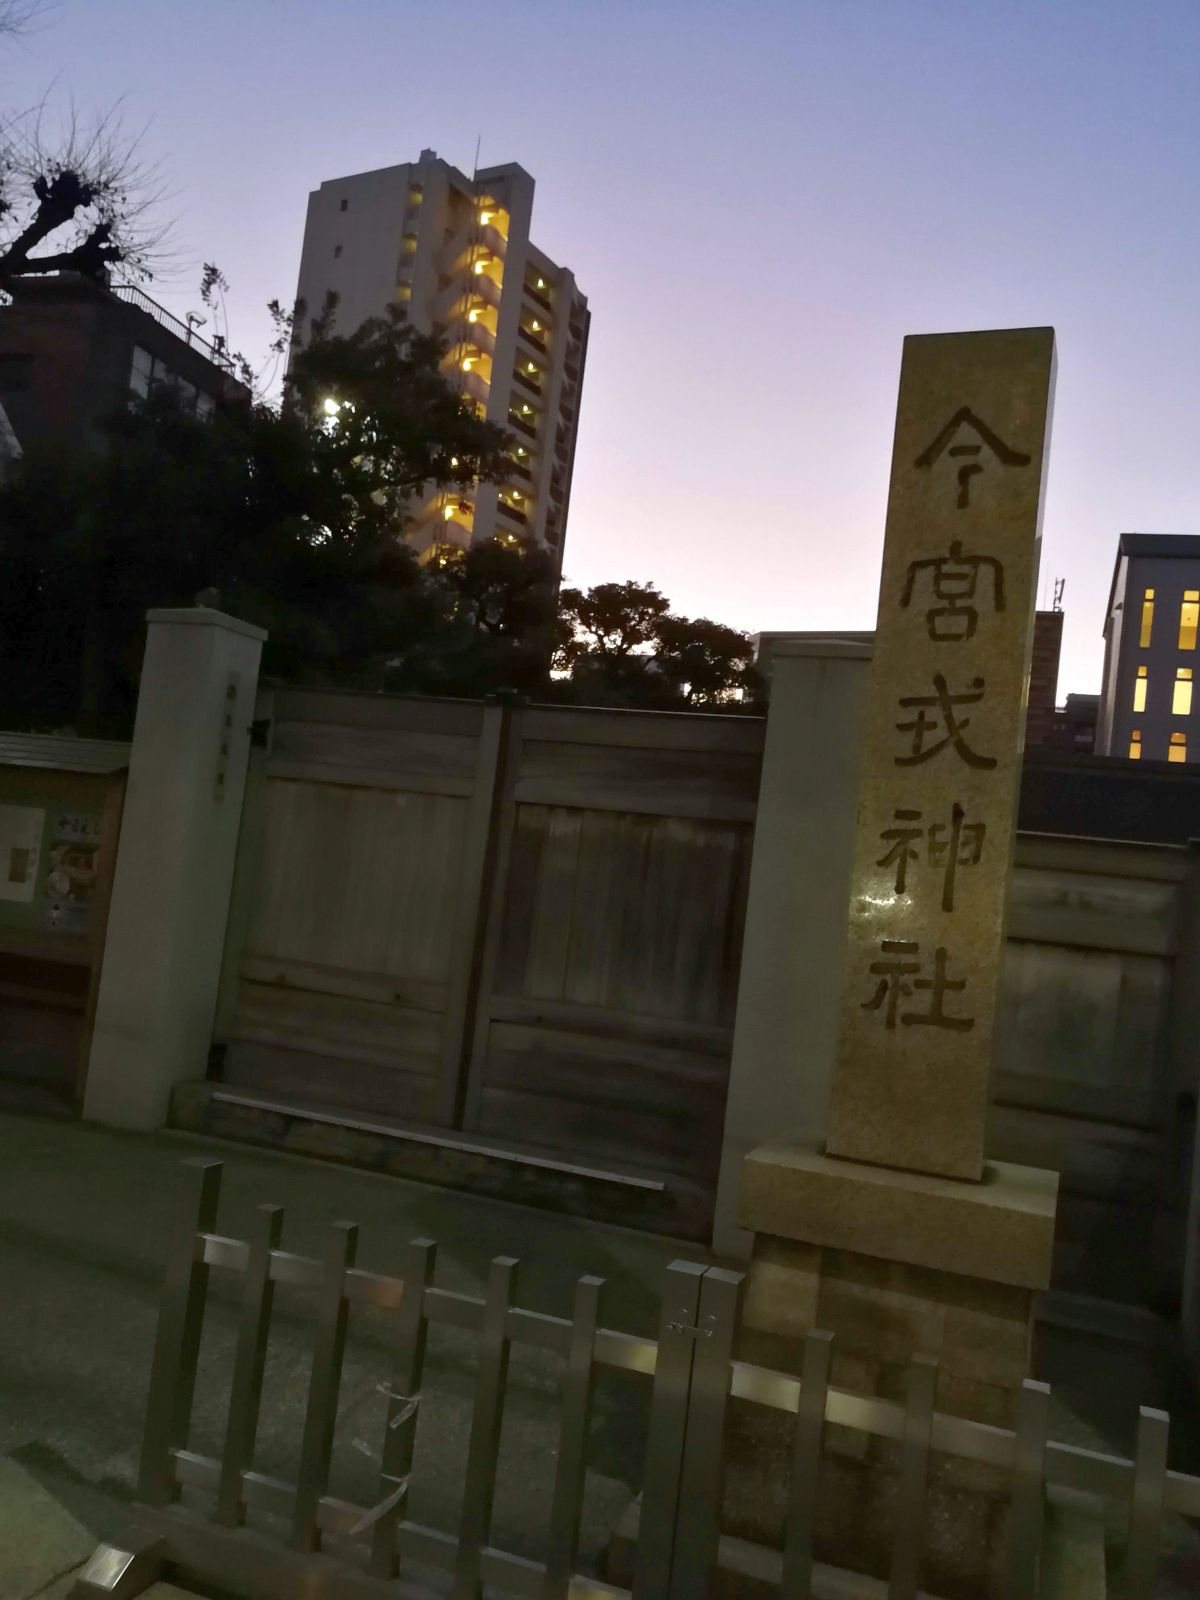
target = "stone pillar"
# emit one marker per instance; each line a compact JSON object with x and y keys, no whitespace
{"x":174,"y":872}
{"x":896,"y":1234}
{"x":788,"y":991}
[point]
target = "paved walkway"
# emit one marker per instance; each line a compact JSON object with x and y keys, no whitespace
{"x":84,"y":1218}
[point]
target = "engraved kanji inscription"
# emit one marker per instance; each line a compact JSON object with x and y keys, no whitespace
{"x":962,"y":424}
{"x":898,"y":970}
{"x":953,"y":579}
{"x":937,"y":724}
{"x":951,"y":845}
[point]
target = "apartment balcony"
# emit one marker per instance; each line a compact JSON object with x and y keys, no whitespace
{"x":467,"y":242}
{"x":537,"y":298}
{"x":528,"y":383}
{"x":519,"y":469}
{"x":534,"y":343}
{"x":523,"y":424}
{"x":480,"y":336}
{"x":456,"y":298}
{"x":513,"y":513}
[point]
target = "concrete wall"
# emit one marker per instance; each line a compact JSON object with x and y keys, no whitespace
{"x":170,"y":898}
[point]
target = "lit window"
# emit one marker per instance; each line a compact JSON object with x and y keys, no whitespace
{"x":529,"y":367}
{"x":140,"y":372}
{"x":541,"y":283}
{"x":1147,"y":617}
{"x":1139,"y":689}
{"x":525,"y":410}
{"x":1189,"y":616}
{"x":536,"y":325}
{"x":1135,"y":745}
{"x":1181,"y":703}
{"x":520,"y":449}
{"x":1177,"y":749}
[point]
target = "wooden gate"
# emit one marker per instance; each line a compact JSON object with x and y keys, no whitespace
{"x":517,"y":923}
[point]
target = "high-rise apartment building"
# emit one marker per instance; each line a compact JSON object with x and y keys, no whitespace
{"x":1149,"y":709}
{"x":455,"y":252}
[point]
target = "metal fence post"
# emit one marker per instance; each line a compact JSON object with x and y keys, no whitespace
{"x":668,"y":1426}
{"x":317,"y":1446}
{"x":1028,"y":1490}
{"x":573,"y":1440}
{"x":698,"y":1521}
{"x":806,"y":1465}
{"x":245,"y":1392}
{"x":914,"y":1475}
{"x":177,"y":1340}
{"x":1146,"y":1508}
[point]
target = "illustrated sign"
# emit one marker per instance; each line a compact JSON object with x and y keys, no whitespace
{"x":941,"y":765}
{"x":71,"y":872}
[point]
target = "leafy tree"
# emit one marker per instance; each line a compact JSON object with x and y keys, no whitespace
{"x":619,"y":644}
{"x":495,"y":625}
{"x":708,"y":664}
{"x":292,"y":511}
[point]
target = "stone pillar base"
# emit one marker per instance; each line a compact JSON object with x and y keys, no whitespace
{"x":893,"y":1265}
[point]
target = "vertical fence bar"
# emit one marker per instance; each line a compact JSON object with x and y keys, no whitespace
{"x":698,"y":1523}
{"x":1028,"y":1491}
{"x":486,"y":1419}
{"x":668,"y":1426}
{"x":572,"y":1442}
{"x":177,"y":1340}
{"x":400,"y":1429}
{"x":341,"y":1242}
{"x":806,"y":1466}
{"x":1146,"y":1508}
{"x":914,"y":1473}
{"x":245,"y":1392}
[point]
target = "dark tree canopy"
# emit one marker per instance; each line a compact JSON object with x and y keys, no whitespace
{"x":293,"y":512}
{"x":619,"y":644}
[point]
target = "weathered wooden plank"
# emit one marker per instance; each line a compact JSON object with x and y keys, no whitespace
{"x":598,"y":1022}
{"x":601,"y":1132}
{"x":358,"y":879}
{"x":645,"y":730}
{"x":331,"y":1080}
{"x":624,"y":1076}
{"x":365,"y":1030}
{"x":356,"y":708}
{"x":383,"y":779}
{"x":627,"y":913}
{"x":383,"y":987}
{"x":647,"y":799}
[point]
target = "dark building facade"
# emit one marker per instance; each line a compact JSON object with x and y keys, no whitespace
{"x":72,"y":352}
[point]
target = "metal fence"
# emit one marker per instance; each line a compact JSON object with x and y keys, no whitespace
{"x":334,"y":1549}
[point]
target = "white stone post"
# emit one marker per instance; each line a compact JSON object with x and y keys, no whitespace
{"x":174,"y":873}
{"x":785,"y":1032}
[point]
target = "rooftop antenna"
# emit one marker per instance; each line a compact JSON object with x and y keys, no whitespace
{"x":1059,"y":585}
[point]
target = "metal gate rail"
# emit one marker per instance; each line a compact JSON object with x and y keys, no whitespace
{"x":387,"y":1556}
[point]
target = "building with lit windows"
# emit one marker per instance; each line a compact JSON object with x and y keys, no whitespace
{"x":456,"y":253}
{"x":1148,"y":708}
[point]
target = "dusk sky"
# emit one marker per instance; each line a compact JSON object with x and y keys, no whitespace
{"x":759,"y":200}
